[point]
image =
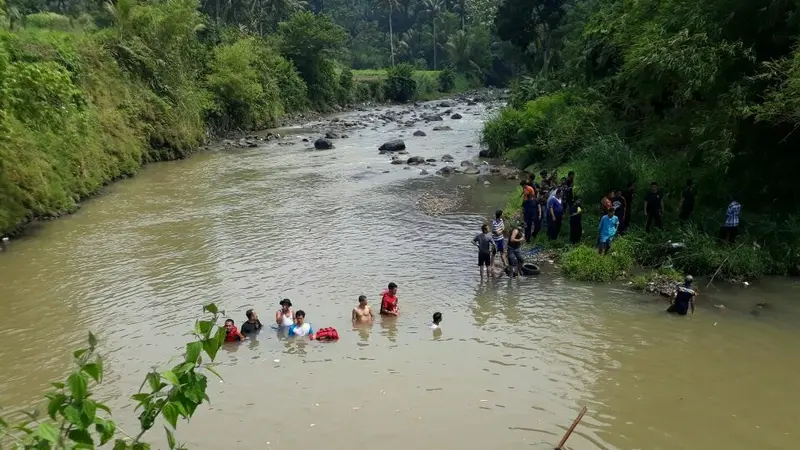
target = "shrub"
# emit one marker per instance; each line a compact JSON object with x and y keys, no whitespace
{"x":447,"y":79}
{"x":400,"y":85}
{"x":235,"y":84}
{"x":427,"y":85}
{"x":346,"y":86}
{"x":583,"y":263}
{"x":48,"y":21}
{"x":500,"y":132}
{"x":606,"y":162}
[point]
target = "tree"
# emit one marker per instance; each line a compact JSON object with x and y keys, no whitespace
{"x":390,"y":5}
{"x":433,"y":8}
{"x":311,"y":41}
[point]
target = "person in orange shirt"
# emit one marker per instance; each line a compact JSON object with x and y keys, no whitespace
{"x":389,"y":301}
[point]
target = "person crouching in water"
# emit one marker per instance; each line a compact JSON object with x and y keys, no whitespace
{"x":232,"y":333}
{"x":683,"y":299}
{"x":284,"y":317}
{"x":515,"y":252}
{"x":437,"y":319}
{"x":485,"y":244}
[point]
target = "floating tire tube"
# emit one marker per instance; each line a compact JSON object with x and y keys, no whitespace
{"x":530,"y":269}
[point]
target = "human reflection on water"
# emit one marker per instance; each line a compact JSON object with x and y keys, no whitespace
{"x":363,"y":330}
{"x":252,"y":342}
{"x":437,"y":334}
{"x":498,"y":301}
{"x":389,"y":327}
{"x":296,"y":345}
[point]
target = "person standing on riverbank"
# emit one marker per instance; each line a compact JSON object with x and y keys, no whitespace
{"x":618,"y":203}
{"x":498,"y":233}
{"x":362,"y":313}
{"x":686,"y":205}
{"x":252,"y":325}
{"x":627,"y":194}
{"x":607,"y":230}
{"x":532,"y":214}
{"x":389,"y":301}
{"x":606,"y":202}
{"x":653,"y":207}
{"x":575,"y":221}
{"x":683,"y":298}
{"x":485,"y":244}
{"x":555,"y":214}
{"x":730,"y":229}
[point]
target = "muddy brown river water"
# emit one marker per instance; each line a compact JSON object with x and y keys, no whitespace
{"x":515,"y":361}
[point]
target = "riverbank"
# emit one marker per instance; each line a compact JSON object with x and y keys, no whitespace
{"x":649,"y":262}
{"x":84,"y":108}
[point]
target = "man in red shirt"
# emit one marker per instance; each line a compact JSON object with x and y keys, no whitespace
{"x":389,"y":301}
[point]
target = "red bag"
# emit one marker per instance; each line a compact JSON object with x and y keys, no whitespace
{"x":327,"y":334}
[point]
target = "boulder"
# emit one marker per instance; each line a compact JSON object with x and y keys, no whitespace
{"x":323,"y":144}
{"x":419,"y":133}
{"x":448,"y":158}
{"x":416,"y":160}
{"x":397,"y":161}
{"x":395,"y":145}
{"x":483,"y":153}
{"x":446,"y":170}
{"x":432,"y":118}
{"x":467,"y":164}
{"x":331,"y":135}
{"x":444,"y":104}
{"x":444,"y":128}
{"x":456,"y":116}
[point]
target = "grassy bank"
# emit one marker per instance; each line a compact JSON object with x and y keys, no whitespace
{"x":648,"y":91}
{"x":646,"y":257}
{"x":82,"y":106}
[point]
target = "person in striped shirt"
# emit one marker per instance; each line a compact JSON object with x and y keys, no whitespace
{"x":498,"y":232}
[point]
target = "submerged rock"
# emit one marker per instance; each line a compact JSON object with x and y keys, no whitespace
{"x":446,"y":170}
{"x":331,"y":135}
{"x":442,"y":128}
{"x":419,"y":133}
{"x":444,"y":104}
{"x":323,"y":144}
{"x":448,"y":158}
{"x":432,"y":118}
{"x":395,"y":145}
{"x":416,"y":160}
{"x":456,"y":116}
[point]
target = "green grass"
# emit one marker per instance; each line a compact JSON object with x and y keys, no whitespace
{"x":380,"y":74}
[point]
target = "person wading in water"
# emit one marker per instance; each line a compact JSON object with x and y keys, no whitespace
{"x":284,"y":317}
{"x":683,"y":299}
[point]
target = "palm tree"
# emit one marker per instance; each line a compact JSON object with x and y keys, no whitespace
{"x":391,"y":5}
{"x":433,"y":8}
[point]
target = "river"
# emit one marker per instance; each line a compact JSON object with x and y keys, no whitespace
{"x":515,"y":362}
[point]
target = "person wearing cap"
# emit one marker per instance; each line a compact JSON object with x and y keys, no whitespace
{"x":284,"y":317}
{"x":683,"y":299}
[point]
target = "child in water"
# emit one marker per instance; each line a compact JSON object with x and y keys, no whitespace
{"x":437,"y":319}
{"x":232,"y":333}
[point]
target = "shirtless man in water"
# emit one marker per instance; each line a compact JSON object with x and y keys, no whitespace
{"x":363,"y":313}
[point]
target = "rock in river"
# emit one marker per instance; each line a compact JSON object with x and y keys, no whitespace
{"x":444,"y":128}
{"x":432,"y":118}
{"x":331,"y":135}
{"x":395,"y":145}
{"x":466,"y":163}
{"x":448,"y":158}
{"x":419,"y":133}
{"x":446,"y":170}
{"x":396,"y":160}
{"x":471,"y":171}
{"x":323,"y":144}
{"x":444,"y":104}
{"x":456,"y":116}
{"x":416,"y":160}
{"x":483,"y":153}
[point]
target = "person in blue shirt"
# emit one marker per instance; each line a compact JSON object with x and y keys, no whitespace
{"x":555,"y":213}
{"x":608,"y":229}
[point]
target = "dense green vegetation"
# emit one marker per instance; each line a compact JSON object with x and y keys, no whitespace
{"x":90,"y":91}
{"x":624,"y":91}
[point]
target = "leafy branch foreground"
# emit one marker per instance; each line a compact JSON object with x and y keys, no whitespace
{"x":75,"y":420}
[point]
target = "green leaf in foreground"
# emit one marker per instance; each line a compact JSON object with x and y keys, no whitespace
{"x":47,"y":432}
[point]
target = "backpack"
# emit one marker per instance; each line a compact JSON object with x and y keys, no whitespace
{"x":327,"y":334}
